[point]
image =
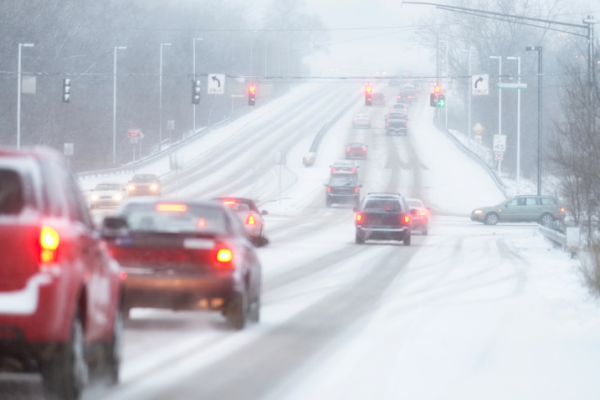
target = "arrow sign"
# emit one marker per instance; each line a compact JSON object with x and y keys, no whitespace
{"x":216,"y":84}
{"x":480,"y":84}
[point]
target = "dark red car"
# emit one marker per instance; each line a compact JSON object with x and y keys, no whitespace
{"x":356,"y":150}
{"x":59,"y":289}
{"x":188,"y":255}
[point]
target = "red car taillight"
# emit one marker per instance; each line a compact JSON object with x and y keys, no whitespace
{"x":49,"y":241}
{"x":347,"y":148}
{"x":364,"y":149}
{"x":388,"y":124}
{"x":406,"y":220}
{"x":224,"y":259}
{"x":251,"y":220}
{"x":359,"y":218}
{"x":352,"y":170}
{"x":328,"y":189}
{"x":333,"y":170}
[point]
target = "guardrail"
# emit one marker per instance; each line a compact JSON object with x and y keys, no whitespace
{"x":569,"y":242}
{"x":314,"y":148}
{"x":497,"y":180}
{"x":133,"y":167}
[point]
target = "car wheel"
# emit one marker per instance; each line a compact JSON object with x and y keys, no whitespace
{"x":359,"y":239}
{"x":546,"y":220}
{"x":491,"y":219}
{"x":115,"y":348}
{"x":65,"y":376}
{"x":407,"y":239}
{"x":236,"y":312}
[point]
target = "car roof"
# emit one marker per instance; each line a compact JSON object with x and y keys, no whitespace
{"x":362,"y":115}
{"x":384,"y":195}
{"x":399,"y":105}
{"x":356,"y":144}
{"x":344,"y":162}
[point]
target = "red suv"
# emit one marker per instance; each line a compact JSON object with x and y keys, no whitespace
{"x":59,"y":289}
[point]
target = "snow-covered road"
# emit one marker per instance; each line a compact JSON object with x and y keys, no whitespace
{"x":467,"y":312}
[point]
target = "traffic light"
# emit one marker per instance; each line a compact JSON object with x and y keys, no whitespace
{"x":437,"y":89}
{"x":433,"y":100}
{"x":251,"y":95}
{"x":441,"y":100}
{"x":66,"y":97}
{"x":196,"y":90}
{"x":368,"y":95}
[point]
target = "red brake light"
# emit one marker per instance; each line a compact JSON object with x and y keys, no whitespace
{"x":333,"y":169}
{"x":388,"y":124}
{"x":562,"y":209}
{"x":406,"y":219}
{"x":328,"y":189}
{"x":422,"y":213}
{"x":367,"y":119}
{"x":364,"y":149}
{"x":352,"y":170}
{"x":355,"y":190}
{"x":347,"y":148}
{"x":354,"y":120}
{"x":49,"y":241}
{"x":251,"y":220}
{"x":171,"y":207}
{"x":123,"y":275}
{"x":229,"y":202}
{"x":358,"y":217}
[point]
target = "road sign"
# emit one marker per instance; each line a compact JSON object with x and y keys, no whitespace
{"x":500,"y":143}
{"x":480,"y":84}
{"x":134,"y":133}
{"x":518,"y":86}
{"x":478,"y":128}
{"x":478,"y":139}
{"x":216,"y":84}
{"x":499,"y":156}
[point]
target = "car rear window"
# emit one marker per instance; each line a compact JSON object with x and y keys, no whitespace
{"x":144,"y":178}
{"x":108,"y":186}
{"x":387,"y":205}
{"x":175,"y":218}
{"x":414,"y":203}
{"x":343,"y":181}
{"x":11,"y":192}
{"x":548,"y":201}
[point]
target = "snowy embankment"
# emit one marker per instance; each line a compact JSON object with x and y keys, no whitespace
{"x":205,"y":144}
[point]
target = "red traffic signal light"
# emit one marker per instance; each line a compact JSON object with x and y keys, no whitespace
{"x":251,"y":89}
{"x":251,"y":95}
{"x":368,"y":89}
{"x":437,"y":89}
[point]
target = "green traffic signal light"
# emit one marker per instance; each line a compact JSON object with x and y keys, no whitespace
{"x":441,"y":101}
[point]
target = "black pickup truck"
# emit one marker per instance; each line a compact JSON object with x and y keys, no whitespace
{"x":383,"y":216}
{"x":396,"y":126}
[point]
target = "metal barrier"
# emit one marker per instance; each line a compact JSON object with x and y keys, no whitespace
{"x":132,"y":168}
{"x":569,"y":242}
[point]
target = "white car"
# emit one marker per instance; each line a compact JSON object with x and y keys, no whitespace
{"x":361,"y":121}
{"x":108,"y":195}
{"x":250,"y":216}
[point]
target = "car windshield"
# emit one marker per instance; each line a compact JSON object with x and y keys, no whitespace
{"x":343,"y":164}
{"x":414,"y":203}
{"x":383,"y":204}
{"x":175,"y":218}
{"x":341,"y":181}
{"x":107,"y":186}
{"x":356,"y":145}
{"x":144,"y":178}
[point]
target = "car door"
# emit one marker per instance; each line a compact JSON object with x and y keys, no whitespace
{"x":512,"y":210}
{"x":532,"y":209}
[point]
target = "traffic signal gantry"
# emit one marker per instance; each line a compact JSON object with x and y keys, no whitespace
{"x":251,"y":95}
{"x":368,"y":95}
{"x":437,"y":98}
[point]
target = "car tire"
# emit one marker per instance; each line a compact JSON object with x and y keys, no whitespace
{"x":406,"y":240}
{"x":66,"y":374}
{"x":236,"y":311}
{"x":491,"y":219}
{"x":359,"y":239}
{"x":115,"y":349}
{"x":546,"y":219}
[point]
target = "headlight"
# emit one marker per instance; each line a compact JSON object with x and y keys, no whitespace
{"x":153,"y":187}
{"x":131,"y":187}
{"x":117,"y":197}
{"x":477,"y":212}
{"x":94,"y":197}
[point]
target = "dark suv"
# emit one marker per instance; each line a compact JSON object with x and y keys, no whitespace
{"x":342,"y":189}
{"x":396,"y":126}
{"x":383,"y":216}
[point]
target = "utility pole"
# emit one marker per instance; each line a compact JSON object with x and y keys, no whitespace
{"x":115,"y":104}
{"x":194,"y":72}
{"x":499,"y":58}
{"x":160,"y":96}
{"x":21,"y":45}
{"x":447,"y":83}
{"x":540,"y":51}
{"x":518,"y":122}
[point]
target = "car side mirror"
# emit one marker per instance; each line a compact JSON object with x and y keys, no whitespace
{"x":264,"y":212}
{"x":355,"y":209}
{"x":114,"y":227}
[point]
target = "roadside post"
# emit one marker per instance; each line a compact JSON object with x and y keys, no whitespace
{"x":499,"y":149}
{"x":170,"y":128}
{"x":68,"y":151}
{"x":176,"y":163}
{"x":135,"y":135}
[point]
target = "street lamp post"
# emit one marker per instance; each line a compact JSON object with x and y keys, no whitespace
{"x":540,"y":51}
{"x":469,"y":93}
{"x":265,"y":74}
{"x":499,"y":58}
{"x":194,"y":72}
{"x":21,"y":45}
{"x":115,"y":103}
{"x":518,"y":122}
{"x":160,"y":96}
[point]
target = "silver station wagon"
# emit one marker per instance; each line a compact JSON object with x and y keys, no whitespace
{"x":542,"y":209}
